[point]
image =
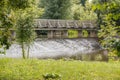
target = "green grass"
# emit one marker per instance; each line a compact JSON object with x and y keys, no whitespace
{"x":33,"y":69}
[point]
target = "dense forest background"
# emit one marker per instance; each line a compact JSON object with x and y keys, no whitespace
{"x":20,"y":15}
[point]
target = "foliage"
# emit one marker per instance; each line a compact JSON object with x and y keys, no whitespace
{"x":72,"y":33}
{"x":84,"y":12}
{"x":33,"y":69}
{"x":37,"y":9}
{"x":84,"y":33}
{"x":58,"y":9}
{"x":52,"y":76}
{"x":99,"y":8}
{"x":116,"y":46}
{"x":42,"y":3}
{"x":21,"y":4}
{"x":25,"y":30}
{"x":77,"y":11}
{"x":24,"y":27}
{"x":9,"y":18}
{"x":83,"y":2}
{"x":7,"y":21}
{"x":109,"y":17}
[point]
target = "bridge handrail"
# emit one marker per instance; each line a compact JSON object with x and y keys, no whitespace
{"x":51,"y":23}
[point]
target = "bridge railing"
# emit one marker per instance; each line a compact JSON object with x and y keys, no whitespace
{"x":52,"y":23}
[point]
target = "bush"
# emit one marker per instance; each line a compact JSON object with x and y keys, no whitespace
{"x":48,"y":76}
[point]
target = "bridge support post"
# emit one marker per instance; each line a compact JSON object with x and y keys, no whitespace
{"x":65,"y":34}
{"x":50,"y":34}
{"x":13,"y":34}
{"x":57,"y":34}
{"x":79,"y":33}
{"x":93,"y":33}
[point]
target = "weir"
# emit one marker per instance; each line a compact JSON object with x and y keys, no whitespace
{"x":60,"y":48}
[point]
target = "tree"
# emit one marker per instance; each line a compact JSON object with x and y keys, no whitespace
{"x":21,"y":4}
{"x":83,"y":2}
{"x":25,"y":31}
{"x":110,"y":24}
{"x":58,"y":9}
{"x":97,"y":7}
{"x":8,"y":19}
{"x":84,"y":12}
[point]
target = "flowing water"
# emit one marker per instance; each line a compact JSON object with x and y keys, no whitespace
{"x":53,"y":48}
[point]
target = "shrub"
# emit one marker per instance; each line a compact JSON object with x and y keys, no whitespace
{"x":48,"y":76}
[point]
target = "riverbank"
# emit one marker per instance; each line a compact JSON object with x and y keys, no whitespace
{"x":34,"y":69}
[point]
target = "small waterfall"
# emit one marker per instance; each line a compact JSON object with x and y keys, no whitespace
{"x":53,"y":48}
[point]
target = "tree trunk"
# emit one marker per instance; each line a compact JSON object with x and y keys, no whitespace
{"x":23,"y":51}
{"x":28,"y":51}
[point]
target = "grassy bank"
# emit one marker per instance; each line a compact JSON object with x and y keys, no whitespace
{"x":33,"y":69}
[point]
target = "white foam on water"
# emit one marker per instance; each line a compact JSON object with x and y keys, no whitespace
{"x":56,"y":47}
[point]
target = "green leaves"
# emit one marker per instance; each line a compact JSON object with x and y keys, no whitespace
{"x":58,"y":9}
{"x":25,"y":27}
{"x":17,"y":14}
{"x":7,"y":21}
{"x":84,"y":13}
{"x":25,"y":33}
{"x":48,"y":76}
{"x":20,"y":4}
{"x":109,"y":15}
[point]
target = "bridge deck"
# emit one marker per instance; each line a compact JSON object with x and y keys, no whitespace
{"x":60,"y":28}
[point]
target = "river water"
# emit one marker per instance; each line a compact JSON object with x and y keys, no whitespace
{"x":52,"y":48}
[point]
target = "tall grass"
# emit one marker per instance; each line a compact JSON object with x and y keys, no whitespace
{"x":34,"y":69}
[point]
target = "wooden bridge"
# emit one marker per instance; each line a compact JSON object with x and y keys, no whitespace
{"x":52,"y":28}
